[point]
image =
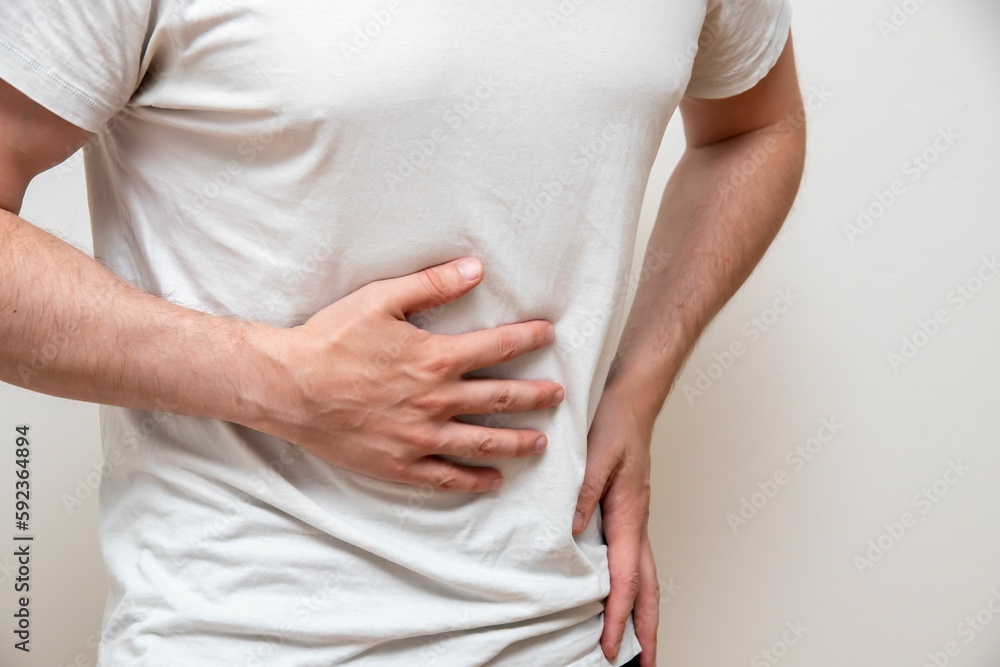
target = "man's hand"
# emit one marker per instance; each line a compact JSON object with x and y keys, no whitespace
{"x":617,"y":476}
{"x":356,"y":385}
{"x":360,"y":387}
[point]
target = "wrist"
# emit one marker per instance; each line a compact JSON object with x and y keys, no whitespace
{"x":646,"y":366}
{"x":258,"y":372}
{"x":644,"y":384}
{"x":644,"y":394}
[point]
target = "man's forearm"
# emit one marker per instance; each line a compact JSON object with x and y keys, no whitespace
{"x":713,"y":233}
{"x":72,"y":328}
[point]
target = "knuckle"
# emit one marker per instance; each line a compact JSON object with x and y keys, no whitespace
{"x":590,"y":492}
{"x":544,"y":398}
{"x":504,"y":399}
{"x":486,"y":445}
{"x":654,"y":600}
{"x":632,"y":581}
{"x":439,"y":365}
{"x":538,"y":334}
{"x":525,"y":441}
{"x":446,"y":480}
{"x":435,"y":285}
{"x":423,"y":439}
{"x":433,"y":404}
{"x":506,"y":346}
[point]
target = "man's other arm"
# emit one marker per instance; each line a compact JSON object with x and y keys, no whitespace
{"x":721,"y":209}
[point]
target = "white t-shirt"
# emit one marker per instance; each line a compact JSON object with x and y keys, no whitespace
{"x":263,"y":159}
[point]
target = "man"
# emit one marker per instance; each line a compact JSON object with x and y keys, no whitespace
{"x":330,"y":241}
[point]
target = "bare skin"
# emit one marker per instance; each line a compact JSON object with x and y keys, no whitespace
{"x":72,"y":328}
{"x":390,"y":422}
{"x":714,"y":235}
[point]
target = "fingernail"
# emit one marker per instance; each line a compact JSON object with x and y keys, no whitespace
{"x":578,"y":521}
{"x":469,"y":268}
{"x":550,"y":332}
{"x":618,"y":645}
{"x":559,"y":394}
{"x":496,"y":484}
{"x":539,"y":444}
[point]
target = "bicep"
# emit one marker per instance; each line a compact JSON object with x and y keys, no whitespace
{"x":773,"y":99}
{"x":32,"y":139}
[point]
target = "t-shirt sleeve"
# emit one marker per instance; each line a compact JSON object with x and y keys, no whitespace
{"x":739,"y":43}
{"x":80,"y":59}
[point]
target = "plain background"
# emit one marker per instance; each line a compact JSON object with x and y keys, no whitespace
{"x":742,"y":560}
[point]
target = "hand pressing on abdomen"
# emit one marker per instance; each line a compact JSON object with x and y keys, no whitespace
{"x":360,"y":387}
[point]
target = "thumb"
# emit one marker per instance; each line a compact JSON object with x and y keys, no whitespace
{"x":430,"y":287}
